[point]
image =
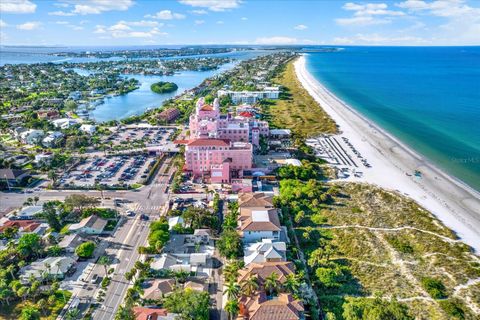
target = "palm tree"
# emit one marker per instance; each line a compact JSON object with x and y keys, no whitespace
{"x":73,"y":314}
{"x":271,"y":283}
{"x":104,"y":261}
{"x":232,"y":307}
{"x":230,"y":272}
{"x":292,"y":283}
{"x":232,"y":290}
{"x":250,"y":285}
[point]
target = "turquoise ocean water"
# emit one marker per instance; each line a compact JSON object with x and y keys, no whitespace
{"x":427,"y":97}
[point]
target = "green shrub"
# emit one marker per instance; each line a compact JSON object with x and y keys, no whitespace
{"x":453,"y":308}
{"x":434,"y":287}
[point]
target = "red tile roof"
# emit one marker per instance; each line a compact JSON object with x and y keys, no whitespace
{"x":207,"y":107}
{"x":27,"y":226}
{"x":259,"y":307}
{"x":142,"y":313}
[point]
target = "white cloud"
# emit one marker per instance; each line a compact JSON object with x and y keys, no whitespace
{"x":3,"y":24}
{"x":244,"y":18}
{"x":300,"y":27}
{"x":61,"y":5}
{"x":61,"y":13}
{"x":119,"y":27}
{"x":361,"y":21}
{"x":32,"y":25}
{"x":17,"y":6}
{"x":84,"y":7}
{"x":213,"y":5}
{"x":276,"y":40}
{"x":138,"y":34}
{"x":368,"y":14}
{"x":220,"y":22}
{"x":62,"y":22}
{"x":100,"y":29}
{"x":462,"y":25}
{"x":378,"y":39}
{"x":200,"y":11}
{"x":166,"y":15}
{"x":199,"y":22}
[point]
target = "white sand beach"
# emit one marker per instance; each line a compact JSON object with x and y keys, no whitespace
{"x":451,"y":201}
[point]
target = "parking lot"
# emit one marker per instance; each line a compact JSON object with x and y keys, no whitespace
{"x":111,"y":170}
{"x":150,"y":136}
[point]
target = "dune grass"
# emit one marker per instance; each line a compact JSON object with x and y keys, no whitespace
{"x":365,"y":225}
{"x":296,"y":109}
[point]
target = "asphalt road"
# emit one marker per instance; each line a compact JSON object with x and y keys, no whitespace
{"x":122,"y":246}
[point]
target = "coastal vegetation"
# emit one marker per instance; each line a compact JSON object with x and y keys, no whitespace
{"x":296,"y":109}
{"x":369,"y":250}
{"x":163,"y":87}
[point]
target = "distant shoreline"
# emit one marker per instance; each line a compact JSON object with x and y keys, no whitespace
{"x":452,"y":201}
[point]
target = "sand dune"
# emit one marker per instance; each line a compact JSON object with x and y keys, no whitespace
{"x":454,"y":203}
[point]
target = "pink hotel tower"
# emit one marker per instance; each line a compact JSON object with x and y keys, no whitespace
{"x":221,"y":146}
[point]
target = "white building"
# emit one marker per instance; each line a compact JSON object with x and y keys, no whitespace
{"x":52,"y":267}
{"x":88,"y":128}
{"x":250,"y":97}
{"x":65,"y":123}
{"x":52,"y":139}
{"x":31,"y":136}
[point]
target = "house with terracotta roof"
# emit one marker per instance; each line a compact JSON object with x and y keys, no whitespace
{"x":254,"y":199}
{"x":262,"y":307}
{"x":144,"y":313}
{"x":158,"y":288}
{"x":257,"y":223}
{"x":264,"y":269}
{"x":23,"y":226}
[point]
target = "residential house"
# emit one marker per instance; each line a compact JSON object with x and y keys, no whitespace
{"x":65,"y":123}
{"x":43,"y":158}
{"x":88,"y":128}
{"x":262,"y":307}
{"x":158,"y":288}
{"x":23,"y":226}
{"x":264,"y":269}
{"x":48,"y":114}
{"x":32,"y":136}
{"x":265,"y":251}
{"x":144,"y":313}
{"x":51,"y":267}
{"x":27,"y":213}
{"x":13,"y":177}
{"x":173,"y":221}
{"x":70,"y":242}
{"x":90,"y":225}
{"x":255,"y":224}
{"x":255,"y":200}
{"x":53,"y":139}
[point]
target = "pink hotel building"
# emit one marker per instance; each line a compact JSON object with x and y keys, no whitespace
{"x":221,"y":146}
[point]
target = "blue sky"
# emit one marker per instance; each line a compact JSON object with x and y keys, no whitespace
{"x":137,"y":22}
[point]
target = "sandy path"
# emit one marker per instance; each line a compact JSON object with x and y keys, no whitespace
{"x":454,"y":203}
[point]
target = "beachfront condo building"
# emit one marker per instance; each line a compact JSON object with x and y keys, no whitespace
{"x":250,"y":97}
{"x":208,"y":123}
